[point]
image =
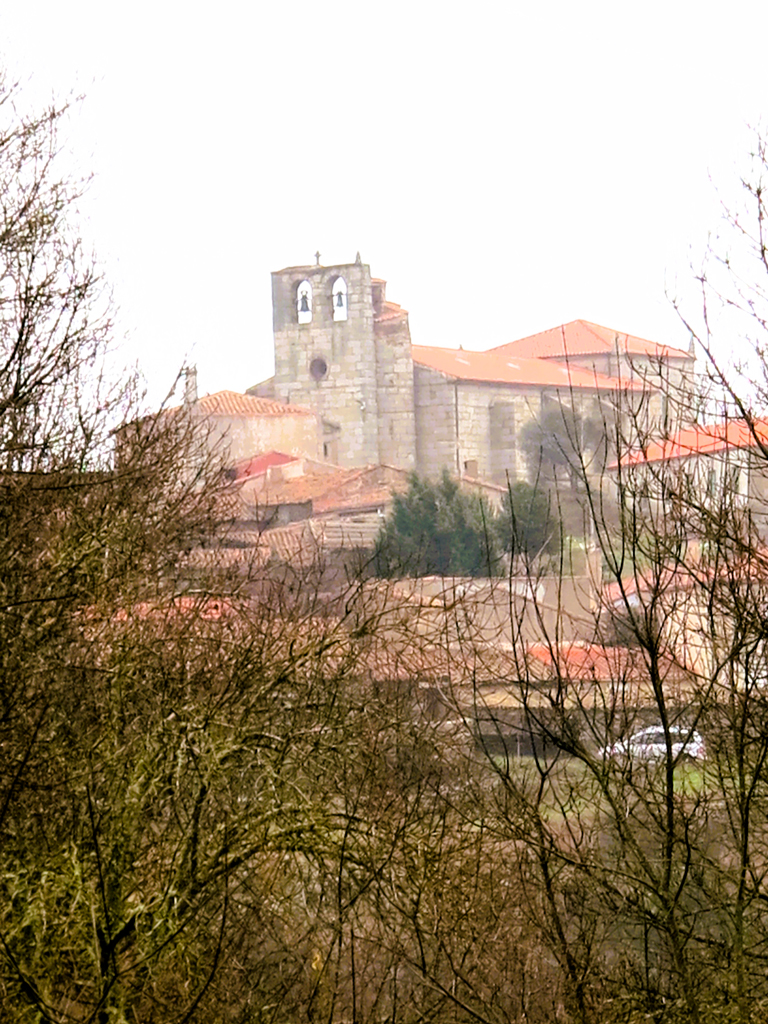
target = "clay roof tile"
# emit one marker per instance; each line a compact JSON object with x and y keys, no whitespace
{"x":581,"y":337}
{"x":702,"y":440}
{"x":498,"y":367}
{"x":391,"y":311}
{"x":232,"y":403}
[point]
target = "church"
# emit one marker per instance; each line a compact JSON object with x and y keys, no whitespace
{"x":343,"y":350}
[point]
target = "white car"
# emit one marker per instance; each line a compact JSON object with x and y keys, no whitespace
{"x":650,"y":744}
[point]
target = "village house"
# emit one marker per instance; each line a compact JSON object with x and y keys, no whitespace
{"x":237,"y":426}
{"x":707,"y":468}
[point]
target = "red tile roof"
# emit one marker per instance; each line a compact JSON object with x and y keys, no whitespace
{"x":232,"y":403}
{"x":704,"y":440}
{"x":391,"y":311}
{"x":259,"y":464}
{"x":306,"y":542}
{"x":693,"y":576}
{"x":370,"y":486}
{"x":266,"y":491}
{"x":293,"y":543}
{"x":580,"y":337}
{"x":498,"y":367}
{"x":374,"y":496}
{"x":585,"y":661}
{"x":202,"y":607}
{"x":665,"y":579}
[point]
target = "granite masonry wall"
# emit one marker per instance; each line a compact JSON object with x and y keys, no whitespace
{"x":237,"y":438}
{"x":354,"y":373}
{"x":395,"y":385}
{"x":471,"y":428}
{"x":474,"y":428}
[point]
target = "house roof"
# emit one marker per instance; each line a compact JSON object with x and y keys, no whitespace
{"x":580,"y":337}
{"x":665,"y":579}
{"x":297,"y":490}
{"x":201,"y":606}
{"x":502,"y":368}
{"x":391,"y":311}
{"x":303,"y":543}
{"x":294,"y":543}
{"x":232,"y":403}
{"x":702,"y":440}
{"x":692,"y":576}
{"x":259,"y":464}
{"x":584,"y":661}
{"x":344,"y":489}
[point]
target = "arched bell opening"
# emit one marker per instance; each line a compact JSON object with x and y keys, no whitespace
{"x":304,"y":302}
{"x":339,"y":299}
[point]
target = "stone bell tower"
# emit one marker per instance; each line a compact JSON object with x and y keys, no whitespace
{"x":345,"y":352}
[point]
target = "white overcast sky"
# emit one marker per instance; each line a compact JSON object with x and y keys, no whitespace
{"x":505,"y":166}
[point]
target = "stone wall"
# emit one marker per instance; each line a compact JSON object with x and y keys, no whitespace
{"x":394,"y":381}
{"x":475,"y":428}
{"x":236,"y":438}
{"x":435,"y":401}
{"x":671,"y":385}
{"x":491,"y":417}
{"x":469,"y":427}
{"x":330,"y":365}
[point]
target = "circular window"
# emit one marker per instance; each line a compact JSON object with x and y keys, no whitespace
{"x":318,"y":368}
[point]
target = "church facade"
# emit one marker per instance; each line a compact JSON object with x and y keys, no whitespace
{"x":343,"y":350}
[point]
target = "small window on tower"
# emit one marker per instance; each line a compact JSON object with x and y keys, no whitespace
{"x":318,"y":369}
{"x":304,"y":302}
{"x":339,"y":296}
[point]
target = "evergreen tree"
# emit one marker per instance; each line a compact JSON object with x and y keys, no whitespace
{"x":528,"y":524}
{"x":435,"y":529}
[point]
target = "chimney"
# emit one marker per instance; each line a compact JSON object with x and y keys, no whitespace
{"x":190,"y":385}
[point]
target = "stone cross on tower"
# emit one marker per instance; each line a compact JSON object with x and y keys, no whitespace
{"x":317,"y":258}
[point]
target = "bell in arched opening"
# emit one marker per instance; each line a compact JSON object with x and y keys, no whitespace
{"x":304,"y":302}
{"x":339,"y":294}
